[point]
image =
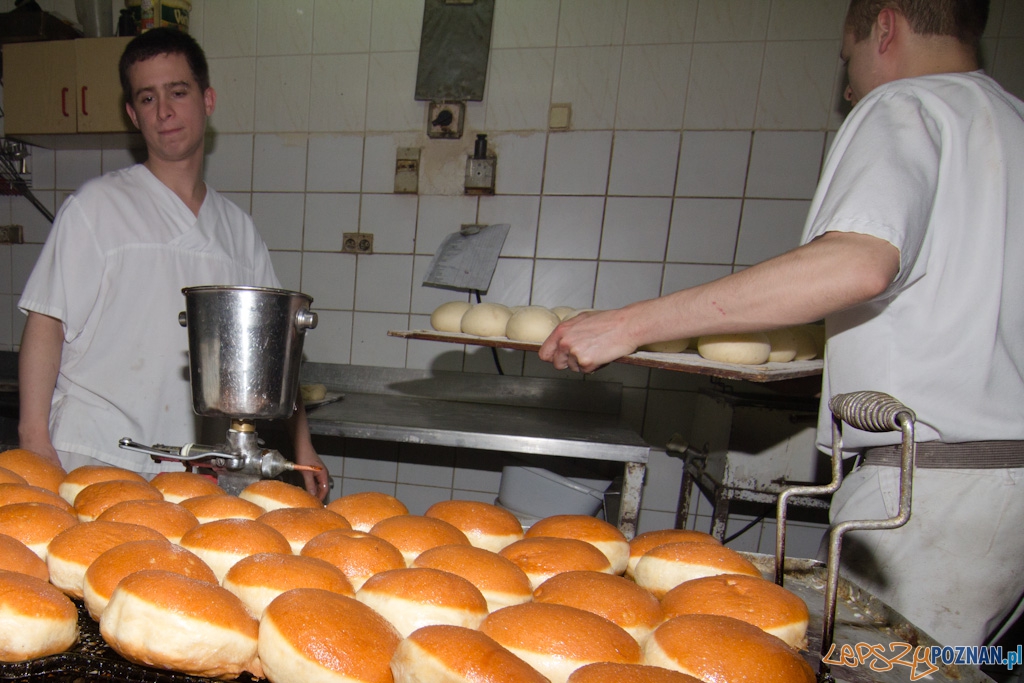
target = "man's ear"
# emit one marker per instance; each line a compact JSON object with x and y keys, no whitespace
{"x":209,"y":100}
{"x":885,"y":28}
{"x":131,"y":114}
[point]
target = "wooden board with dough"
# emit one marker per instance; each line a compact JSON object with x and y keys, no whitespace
{"x":687,"y":361}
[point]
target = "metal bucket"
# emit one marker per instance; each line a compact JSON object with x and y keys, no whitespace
{"x":245,"y":347}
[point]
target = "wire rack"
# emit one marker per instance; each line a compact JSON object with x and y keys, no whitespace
{"x":15,"y":175}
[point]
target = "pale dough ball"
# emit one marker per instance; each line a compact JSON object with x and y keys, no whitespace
{"x":671,"y":346}
{"x":312,"y":392}
{"x":785,"y":343}
{"x":531,"y":324}
{"x":573,"y":314}
{"x":448,"y":316}
{"x":817,"y":333}
{"x":750,"y":348}
{"x":486,"y":320}
{"x":562,"y":311}
{"x":806,"y":346}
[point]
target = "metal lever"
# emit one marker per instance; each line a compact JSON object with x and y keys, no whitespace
{"x":873,"y":412}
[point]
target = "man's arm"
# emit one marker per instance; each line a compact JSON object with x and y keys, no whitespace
{"x":317,"y":483}
{"x":38,"y":365}
{"x":829,"y":274}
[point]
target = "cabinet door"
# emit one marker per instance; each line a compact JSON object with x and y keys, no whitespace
{"x":39,"y":88}
{"x":99,"y":99}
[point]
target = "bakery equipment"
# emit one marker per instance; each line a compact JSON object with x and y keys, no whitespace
{"x":245,"y":348}
{"x":868,"y":411}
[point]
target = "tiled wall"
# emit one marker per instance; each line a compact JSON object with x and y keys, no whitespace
{"x":698,"y":130}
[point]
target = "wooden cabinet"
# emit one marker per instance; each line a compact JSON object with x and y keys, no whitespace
{"x":64,"y":86}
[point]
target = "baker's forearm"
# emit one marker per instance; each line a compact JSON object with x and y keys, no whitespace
{"x":38,"y":366}
{"x":830,"y":274}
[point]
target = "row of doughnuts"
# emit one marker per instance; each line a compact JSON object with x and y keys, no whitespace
{"x":285,"y":587}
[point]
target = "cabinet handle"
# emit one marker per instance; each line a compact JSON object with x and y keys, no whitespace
{"x":84,"y":112}
{"x":64,"y":101}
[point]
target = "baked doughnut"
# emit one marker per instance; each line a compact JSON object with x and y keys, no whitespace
{"x":556,"y":640}
{"x":601,"y":534}
{"x":716,"y":648}
{"x":606,"y":672}
{"x":641,"y":543}
{"x":35,"y":524}
{"x":26,"y":493}
{"x":486,"y":526}
{"x":542,"y":557}
{"x":500,"y":580}
{"x":260,"y":578}
{"x":308,"y":634}
{"x":221,"y":506}
{"x":80,"y":477}
{"x":72,"y":551}
{"x":615,"y":598}
{"x":751,"y":599}
{"x":33,"y":468}
{"x":273,"y":494}
{"x":356,"y":553}
{"x":666,"y":566}
{"x":455,"y":654}
{"x":169,"y":621}
{"x":11,"y":477}
{"x":38,"y":620}
{"x":299,"y":525}
{"x":172,"y":520}
{"x":15,"y":556}
{"x":366,"y":508}
{"x":412,"y":534}
{"x":413,"y":597}
{"x":107,"y":570}
{"x":95,"y":498}
{"x":179,"y":486}
{"x":224,"y":542}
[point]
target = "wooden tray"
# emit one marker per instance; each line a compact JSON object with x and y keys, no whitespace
{"x":688,"y":361}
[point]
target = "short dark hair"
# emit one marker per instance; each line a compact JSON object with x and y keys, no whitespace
{"x":163,"y":41}
{"x":962,"y":19}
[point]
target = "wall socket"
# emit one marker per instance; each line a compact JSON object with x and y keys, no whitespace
{"x":12,"y":234}
{"x":357,"y":243}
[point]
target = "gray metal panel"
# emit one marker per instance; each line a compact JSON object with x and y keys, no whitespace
{"x":454,"y":47}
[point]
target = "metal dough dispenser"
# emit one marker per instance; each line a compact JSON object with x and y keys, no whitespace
{"x":245,"y":347}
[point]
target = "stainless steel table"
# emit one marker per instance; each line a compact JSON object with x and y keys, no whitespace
{"x":546,"y":417}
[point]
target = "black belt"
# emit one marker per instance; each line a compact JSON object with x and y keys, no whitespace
{"x":969,"y":455}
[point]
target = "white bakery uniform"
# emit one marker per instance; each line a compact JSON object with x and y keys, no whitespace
{"x":120,"y":251}
{"x":935,"y":166}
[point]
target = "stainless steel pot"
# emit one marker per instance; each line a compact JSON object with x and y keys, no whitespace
{"x":245,"y":347}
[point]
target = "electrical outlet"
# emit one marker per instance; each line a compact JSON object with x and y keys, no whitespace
{"x":407,"y":170}
{"x":357,"y":243}
{"x":445,"y":120}
{"x":11,"y":234}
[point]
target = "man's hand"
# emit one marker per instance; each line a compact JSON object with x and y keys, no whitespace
{"x":587,"y":342}
{"x":317,"y":483}
{"x":41,"y":446}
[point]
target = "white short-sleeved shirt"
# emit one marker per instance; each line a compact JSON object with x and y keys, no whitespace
{"x":120,"y":251}
{"x":935,"y":166}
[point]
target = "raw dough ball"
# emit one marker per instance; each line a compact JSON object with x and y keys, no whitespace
{"x":448,"y":316}
{"x":806,"y":346}
{"x":817,"y":333}
{"x":573,"y":314}
{"x":531,"y":324}
{"x":312,"y":392}
{"x":486,"y":320}
{"x":562,"y":311}
{"x":751,"y":348}
{"x":671,"y":346}
{"x":785,"y":344}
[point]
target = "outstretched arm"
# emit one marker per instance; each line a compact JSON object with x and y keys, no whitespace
{"x":829,"y":274}
{"x":317,"y":483}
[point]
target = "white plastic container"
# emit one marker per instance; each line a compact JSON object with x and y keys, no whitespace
{"x":534,"y":492}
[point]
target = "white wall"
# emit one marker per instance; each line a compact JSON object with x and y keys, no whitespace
{"x":698,"y":130}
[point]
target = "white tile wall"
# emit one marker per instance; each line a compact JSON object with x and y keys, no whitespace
{"x":698,"y":128}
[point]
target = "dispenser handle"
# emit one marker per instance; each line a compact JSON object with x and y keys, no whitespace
{"x":304,"y":319}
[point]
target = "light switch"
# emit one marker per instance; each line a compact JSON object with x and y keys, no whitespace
{"x":559,"y":116}
{"x":407,"y":170}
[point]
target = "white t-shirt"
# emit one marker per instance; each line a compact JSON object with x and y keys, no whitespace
{"x":935,"y":166}
{"x":120,"y":251}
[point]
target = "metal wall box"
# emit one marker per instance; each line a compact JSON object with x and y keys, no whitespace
{"x":454,"y":48}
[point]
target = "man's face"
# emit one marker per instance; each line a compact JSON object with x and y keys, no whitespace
{"x":862,"y":67}
{"x":168,"y":107}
